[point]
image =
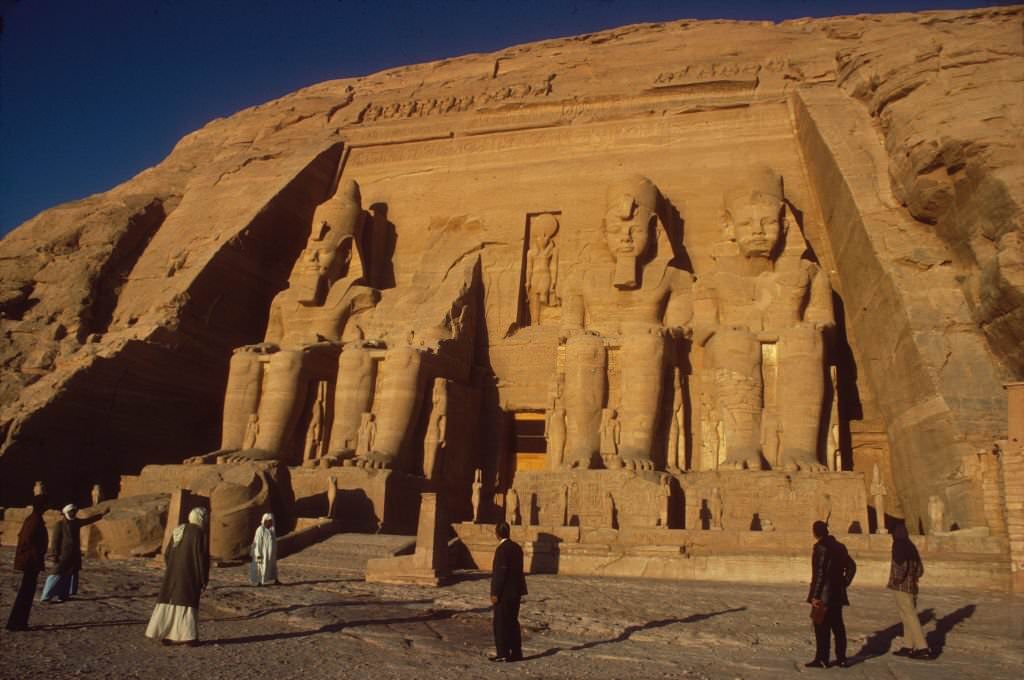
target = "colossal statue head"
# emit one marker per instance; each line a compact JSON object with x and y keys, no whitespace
{"x":330,"y":251}
{"x":753,"y":211}
{"x":631,"y":215}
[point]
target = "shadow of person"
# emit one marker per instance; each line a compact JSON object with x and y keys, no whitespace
{"x":879,"y":642}
{"x":937,"y":638}
{"x":630,"y":630}
{"x":290,"y":609}
{"x":430,"y":615}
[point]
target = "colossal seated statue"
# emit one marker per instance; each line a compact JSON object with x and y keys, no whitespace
{"x":630,"y":294}
{"x":765,"y":297}
{"x":421,"y":330}
{"x":269,"y":382}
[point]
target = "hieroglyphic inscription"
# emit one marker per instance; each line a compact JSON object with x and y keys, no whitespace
{"x":418,"y":108}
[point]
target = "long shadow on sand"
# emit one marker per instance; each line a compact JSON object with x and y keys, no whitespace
{"x":879,"y":642}
{"x":429,"y":615}
{"x":91,"y":624}
{"x":260,"y":613}
{"x":630,"y":630}
{"x":937,"y":638}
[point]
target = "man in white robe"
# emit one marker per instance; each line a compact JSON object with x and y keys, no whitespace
{"x":263,"y":569}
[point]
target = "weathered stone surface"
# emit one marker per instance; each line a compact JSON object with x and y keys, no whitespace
{"x":485,"y":214}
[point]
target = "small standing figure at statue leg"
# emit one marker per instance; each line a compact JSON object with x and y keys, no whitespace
{"x":878,"y":493}
{"x":664,"y":498}
{"x":936,"y":515}
{"x":715,"y":505}
{"x":610,"y":437}
{"x":332,"y":495}
{"x":478,"y":485}
{"x":512,"y":507}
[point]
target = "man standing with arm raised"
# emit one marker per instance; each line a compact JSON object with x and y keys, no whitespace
{"x":508,"y":585}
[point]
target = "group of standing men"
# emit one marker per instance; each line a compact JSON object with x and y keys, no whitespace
{"x":175,"y":617}
{"x":65,"y":553}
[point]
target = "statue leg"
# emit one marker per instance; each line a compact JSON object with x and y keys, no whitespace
{"x":241,"y":398}
{"x":283,"y":384}
{"x":353,"y":396}
{"x":735,"y":362}
{"x":586,"y":368}
{"x":396,"y":407}
{"x":643,"y":360}
{"x":801,"y":392}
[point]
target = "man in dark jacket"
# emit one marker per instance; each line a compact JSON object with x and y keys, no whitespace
{"x":832,"y":570}
{"x":29,"y":559}
{"x":66,"y":554}
{"x":508,"y":585}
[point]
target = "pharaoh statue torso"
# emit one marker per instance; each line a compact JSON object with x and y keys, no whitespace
{"x":765,"y":301}
{"x":631,"y":296}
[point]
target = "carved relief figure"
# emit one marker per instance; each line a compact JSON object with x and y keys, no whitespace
{"x":306,"y":324}
{"x":878,"y":493}
{"x":38,"y":489}
{"x":97,"y":494}
{"x":563,"y":505}
{"x":313,"y":448}
{"x":542,"y":266}
{"x":437,"y":425}
{"x":675,"y":460}
{"x":252,"y":431}
{"x":664,"y":498}
{"x":512,"y":507}
{"x":332,"y":495}
{"x":554,"y":430}
{"x":759,"y":296}
{"x":474,"y":499}
{"x":611,"y":432}
{"x":367,"y":435}
{"x":608,"y":510}
{"x":629,"y":292}
{"x":715,"y":506}
{"x":936,"y":515}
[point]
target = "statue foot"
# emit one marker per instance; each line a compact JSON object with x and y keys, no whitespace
{"x":636,"y":462}
{"x":247,"y":456}
{"x":744,"y":458}
{"x":800,"y":459}
{"x":207,"y":458}
{"x":376,"y":461}
{"x":612,"y":461}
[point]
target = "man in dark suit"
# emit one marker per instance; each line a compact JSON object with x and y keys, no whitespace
{"x":832,"y":570}
{"x":508,"y":585}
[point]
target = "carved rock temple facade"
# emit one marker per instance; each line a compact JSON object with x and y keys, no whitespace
{"x":659,"y":304}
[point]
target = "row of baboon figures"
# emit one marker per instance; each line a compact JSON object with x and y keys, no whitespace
{"x":759,"y":317}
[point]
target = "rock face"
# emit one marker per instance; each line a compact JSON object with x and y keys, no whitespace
{"x":489,"y":186}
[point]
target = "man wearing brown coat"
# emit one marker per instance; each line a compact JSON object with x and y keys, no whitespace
{"x":29,"y":559}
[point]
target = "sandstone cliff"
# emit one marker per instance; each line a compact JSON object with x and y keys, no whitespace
{"x":118,"y":312}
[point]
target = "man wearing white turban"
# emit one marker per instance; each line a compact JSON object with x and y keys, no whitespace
{"x":66,"y":554}
{"x":176,"y":615}
{"x":263,"y":569}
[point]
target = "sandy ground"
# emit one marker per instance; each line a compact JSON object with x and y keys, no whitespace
{"x":324,"y":621}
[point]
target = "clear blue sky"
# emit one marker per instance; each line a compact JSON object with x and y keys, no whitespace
{"x":93,"y":91}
